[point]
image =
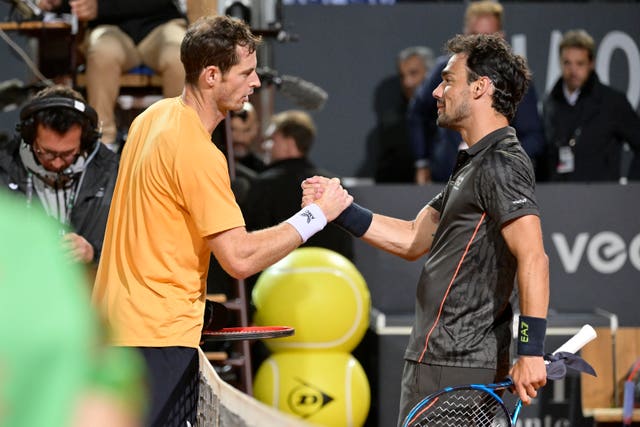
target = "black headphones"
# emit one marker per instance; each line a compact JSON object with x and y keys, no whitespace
{"x":88,"y":119}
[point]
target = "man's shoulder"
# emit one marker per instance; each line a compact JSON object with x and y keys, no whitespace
{"x":101,"y":170}
{"x":610,"y":93}
{"x":555,"y":93}
{"x":8,"y":143}
{"x":506,"y":153}
{"x":105,"y":158}
{"x":509,"y":146}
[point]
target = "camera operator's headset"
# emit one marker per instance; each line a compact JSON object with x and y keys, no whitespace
{"x":27,"y":127}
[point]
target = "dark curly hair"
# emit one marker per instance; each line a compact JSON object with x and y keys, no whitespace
{"x":212,"y":40}
{"x":489,"y":55}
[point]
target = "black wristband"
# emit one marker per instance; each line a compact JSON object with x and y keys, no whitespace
{"x":355,"y":219}
{"x":531,"y":332}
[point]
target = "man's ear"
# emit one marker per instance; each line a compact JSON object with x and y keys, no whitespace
{"x":481,"y":86}
{"x":212,"y":75}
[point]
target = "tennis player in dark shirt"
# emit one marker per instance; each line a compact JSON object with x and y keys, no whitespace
{"x":482,"y":232}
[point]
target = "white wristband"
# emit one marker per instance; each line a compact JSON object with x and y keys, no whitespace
{"x":308,"y":221}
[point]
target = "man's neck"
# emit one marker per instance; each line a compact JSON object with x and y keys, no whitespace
{"x":482,"y":126}
{"x":571,"y":96}
{"x":202,"y":102}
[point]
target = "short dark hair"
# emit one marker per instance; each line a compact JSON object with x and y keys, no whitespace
{"x":578,"y":39}
{"x":298,"y":125}
{"x":212,"y":40}
{"x":59,"y":119}
{"x":489,"y":55}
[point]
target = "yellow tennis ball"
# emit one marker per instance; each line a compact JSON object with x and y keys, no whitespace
{"x":318,"y":292}
{"x":324,"y":388}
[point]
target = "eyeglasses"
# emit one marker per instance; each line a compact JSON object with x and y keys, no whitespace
{"x":49,"y":156}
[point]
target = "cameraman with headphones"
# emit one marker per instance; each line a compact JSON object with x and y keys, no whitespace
{"x":58,"y":164}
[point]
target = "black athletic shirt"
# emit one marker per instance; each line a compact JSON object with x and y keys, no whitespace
{"x":463,"y":315}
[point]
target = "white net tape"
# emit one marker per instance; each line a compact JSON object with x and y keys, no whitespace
{"x":221,"y":405}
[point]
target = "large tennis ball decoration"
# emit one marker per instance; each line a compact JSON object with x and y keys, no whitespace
{"x":318,"y":292}
{"x":324,"y":388}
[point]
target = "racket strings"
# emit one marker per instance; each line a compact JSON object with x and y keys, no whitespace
{"x":465,"y":408}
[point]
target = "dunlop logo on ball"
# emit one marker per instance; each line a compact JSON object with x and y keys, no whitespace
{"x":306,"y":400}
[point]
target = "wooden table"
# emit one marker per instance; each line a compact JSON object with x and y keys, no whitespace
{"x":29,"y":27}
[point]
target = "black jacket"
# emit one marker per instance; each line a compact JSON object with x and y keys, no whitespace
{"x":275,"y":195}
{"x":600,"y":122}
{"x":90,"y":211}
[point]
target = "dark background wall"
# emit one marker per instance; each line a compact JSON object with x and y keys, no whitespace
{"x":348,"y":50}
{"x":591,"y":235}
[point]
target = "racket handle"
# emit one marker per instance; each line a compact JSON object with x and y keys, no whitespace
{"x":627,"y":406}
{"x":579,"y":340}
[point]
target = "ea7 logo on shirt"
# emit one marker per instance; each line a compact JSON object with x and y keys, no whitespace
{"x":307,"y":214}
{"x":606,"y":251}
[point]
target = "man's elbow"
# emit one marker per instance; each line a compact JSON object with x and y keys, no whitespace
{"x":545,"y":262}
{"x":414,"y":256}
{"x":237,"y":268}
{"x":542,"y":259}
{"x":415,"y":252}
{"x":539,"y":262}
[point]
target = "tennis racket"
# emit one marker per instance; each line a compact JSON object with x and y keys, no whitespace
{"x":248,"y":333}
{"x":478,"y":405}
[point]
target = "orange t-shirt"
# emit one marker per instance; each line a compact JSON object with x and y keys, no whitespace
{"x":173,"y":190}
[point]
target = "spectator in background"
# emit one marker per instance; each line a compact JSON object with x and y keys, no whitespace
{"x":275,"y":193}
{"x":414,"y":63}
{"x":435,"y":148}
{"x":124,"y":34}
{"x":585,"y":121}
{"x":58,"y":164}
{"x":245,"y":135}
{"x":389,"y":140}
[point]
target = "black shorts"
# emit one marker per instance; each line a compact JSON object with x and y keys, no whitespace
{"x":420,"y":380}
{"x":172,"y":373}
